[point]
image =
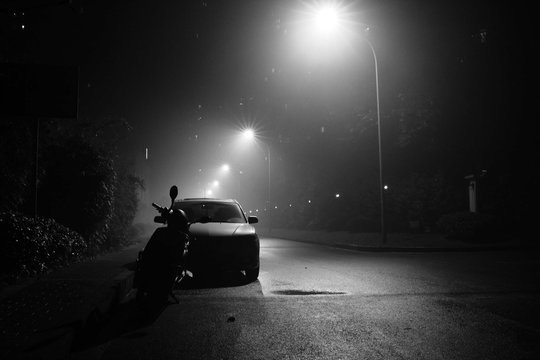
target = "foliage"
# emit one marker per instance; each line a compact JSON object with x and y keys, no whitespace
{"x":33,"y":246}
{"x":344,"y":159}
{"x":418,"y":198}
{"x":77,"y":187}
{"x":467,"y":226}
{"x":87,"y":196}
{"x":84,"y":173}
{"x":124,"y":207}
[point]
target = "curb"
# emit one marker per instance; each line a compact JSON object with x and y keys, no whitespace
{"x":422,"y":249}
{"x":46,"y":317}
{"x":105,"y":304}
{"x":412,"y":248}
{"x":100,"y":309}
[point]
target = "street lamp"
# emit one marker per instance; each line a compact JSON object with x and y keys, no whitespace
{"x":381,"y":185}
{"x":210,"y":187}
{"x":249,"y":135}
{"x":204,"y":176}
{"x":225,"y":168}
{"x":326,"y":20}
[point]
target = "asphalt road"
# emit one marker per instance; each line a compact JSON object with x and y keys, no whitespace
{"x":316,"y":302}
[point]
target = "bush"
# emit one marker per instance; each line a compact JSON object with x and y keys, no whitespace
{"x":77,"y":187}
{"x":33,"y":246}
{"x":87,"y":186}
{"x":121,"y":231}
{"x":467,"y":226}
{"x":83,"y":184}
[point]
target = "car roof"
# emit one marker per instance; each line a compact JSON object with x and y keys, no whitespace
{"x":208,"y":200}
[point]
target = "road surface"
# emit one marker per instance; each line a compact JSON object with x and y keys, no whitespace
{"x":316,"y":302}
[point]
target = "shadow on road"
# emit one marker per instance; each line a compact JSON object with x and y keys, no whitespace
{"x":214,"y":280}
{"x":129,"y":319}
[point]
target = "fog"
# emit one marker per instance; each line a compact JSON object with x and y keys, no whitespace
{"x":190,"y":76}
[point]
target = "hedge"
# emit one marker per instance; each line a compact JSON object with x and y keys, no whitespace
{"x":467,"y":226}
{"x":34,"y":246}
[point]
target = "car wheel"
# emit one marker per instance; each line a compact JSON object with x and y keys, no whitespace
{"x":252,"y":274}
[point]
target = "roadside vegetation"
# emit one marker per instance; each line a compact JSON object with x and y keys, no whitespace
{"x":428,"y":147}
{"x":86,"y":195}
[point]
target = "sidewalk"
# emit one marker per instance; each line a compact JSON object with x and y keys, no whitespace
{"x":406,"y":242}
{"x":39,"y":319}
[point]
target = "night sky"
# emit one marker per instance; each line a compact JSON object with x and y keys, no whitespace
{"x":187,"y":75}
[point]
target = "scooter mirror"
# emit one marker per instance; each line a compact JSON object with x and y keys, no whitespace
{"x":173,"y":192}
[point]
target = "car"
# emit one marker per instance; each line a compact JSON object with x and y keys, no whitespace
{"x":224,"y":237}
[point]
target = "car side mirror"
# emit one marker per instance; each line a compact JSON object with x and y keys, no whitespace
{"x":160,"y":220}
{"x":253,"y":219}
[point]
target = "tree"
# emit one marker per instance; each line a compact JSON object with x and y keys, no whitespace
{"x":77,"y":185}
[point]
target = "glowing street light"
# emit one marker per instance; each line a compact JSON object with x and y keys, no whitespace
{"x":209,"y":189}
{"x":327,"y":20}
{"x":204,"y":176}
{"x":248,"y":134}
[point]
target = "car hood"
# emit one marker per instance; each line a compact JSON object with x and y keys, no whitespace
{"x":221,"y":229}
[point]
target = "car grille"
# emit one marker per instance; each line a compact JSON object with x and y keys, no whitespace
{"x":224,"y":252}
{"x":225,"y":245}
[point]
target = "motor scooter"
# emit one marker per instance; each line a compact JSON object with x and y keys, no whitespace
{"x":160,"y":266}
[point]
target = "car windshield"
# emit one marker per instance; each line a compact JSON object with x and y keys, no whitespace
{"x":211,"y":212}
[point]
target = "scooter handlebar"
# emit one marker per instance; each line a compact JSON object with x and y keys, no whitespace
{"x":162,"y":210}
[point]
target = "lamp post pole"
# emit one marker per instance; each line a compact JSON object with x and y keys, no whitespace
{"x":326,"y":20}
{"x":250,"y":135}
{"x":381,"y":182}
{"x":268,"y":195}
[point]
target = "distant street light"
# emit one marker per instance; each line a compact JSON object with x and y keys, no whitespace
{"x":327,"y":19}
{"x":210,"y":191}
{"x":249,"y":134}
{"x":204,"y":176}
{"x":219,"y":174}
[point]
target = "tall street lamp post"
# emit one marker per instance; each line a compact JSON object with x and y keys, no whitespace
{"x":249,"y":135}
{"x":381,"y":181}
{"x":326,"y":21}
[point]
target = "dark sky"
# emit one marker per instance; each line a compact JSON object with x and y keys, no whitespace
{"x":153,"y":59}
{"x":192,"y":59}
{"x":188,"y":74}
{"x":173,"y":56}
